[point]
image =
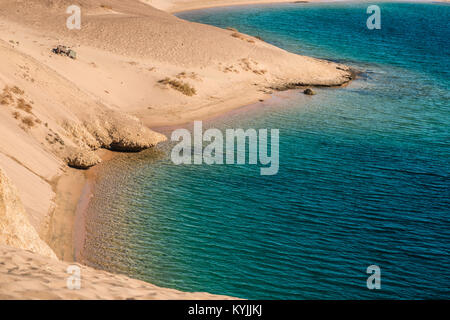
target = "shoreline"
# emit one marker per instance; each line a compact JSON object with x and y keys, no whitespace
{"x":186,"y":6}
{"x":69,"y":217}
{"x":74,"y":189}
{"x":92,"y":174}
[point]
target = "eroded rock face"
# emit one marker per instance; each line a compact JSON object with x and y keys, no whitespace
{"x":108,"y":129}
{"x":121,"y":132}
{"x":82,"y":159}
{"x":15,"y":229}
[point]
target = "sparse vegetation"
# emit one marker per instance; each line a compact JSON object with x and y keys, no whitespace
{"x":23,"y":105}
{"x":190,"y":75}
{"x":6,"y":96}
{"x":9,"y":96}
{"x":237,"y":35}
{"x":242,"y":37}
{"x":17,"y":90}
{"x":28,"y":121}
{"x":16,"y":115}
{"x":106,"y":6}
{"x":183,"y":87}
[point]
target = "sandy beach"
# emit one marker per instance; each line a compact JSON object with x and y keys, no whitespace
{"x":60,"y":115}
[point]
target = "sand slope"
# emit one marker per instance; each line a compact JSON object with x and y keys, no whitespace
{"x":15,"y":228}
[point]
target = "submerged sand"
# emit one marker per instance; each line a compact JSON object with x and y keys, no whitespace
{"x":137,"y":67}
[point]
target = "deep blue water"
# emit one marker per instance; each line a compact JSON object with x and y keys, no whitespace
{"x":363,"y":178}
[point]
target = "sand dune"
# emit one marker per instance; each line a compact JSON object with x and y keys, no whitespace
{"x":137,"y":67}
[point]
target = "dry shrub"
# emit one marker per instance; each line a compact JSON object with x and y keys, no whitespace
{"x":181,"y":86}
{"x":6,"y":97}
{"x":28,"y":121}
{"x":190,"y":75}
{"x":106,"y":6}
{"x":260,"y":72}
{"x":17,"y":90}
{"x":237,"y":35}
{"x":22,"y":105}
{"x":4,"y":101}
{"x":16,"y":115}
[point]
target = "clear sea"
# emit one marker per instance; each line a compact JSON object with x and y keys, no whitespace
{"x":364,"y":174}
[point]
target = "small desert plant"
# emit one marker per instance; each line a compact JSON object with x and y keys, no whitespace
{"x":183,"y":87}
{"x":17,"y":90}
{"x":22,"y":105}
{"x":184,"y":75}
{"x":6,"y":97}
{"x":236,"y":35}
{"x":28,"y":121}
{"x":16,"y":115}
{"x":4,"y":100}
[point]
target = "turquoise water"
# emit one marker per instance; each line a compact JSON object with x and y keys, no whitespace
{"x":363,"y":178}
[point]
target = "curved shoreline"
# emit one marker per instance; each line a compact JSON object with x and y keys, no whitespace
{"x":214,"y":111}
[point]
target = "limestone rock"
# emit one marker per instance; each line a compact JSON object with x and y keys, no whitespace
{"x":82,"y":159}
{"x":309,"y":92}
{"x":121,"y":132}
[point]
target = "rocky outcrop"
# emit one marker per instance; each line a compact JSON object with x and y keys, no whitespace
{"x":309,"y":92}
{"x":82,"y":159}
{"x":110,"y":130}
{"x":122,"y":132}
{"x":15,"y":229}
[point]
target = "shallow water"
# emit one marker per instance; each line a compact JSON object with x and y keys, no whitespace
{"x":363,"y":178}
